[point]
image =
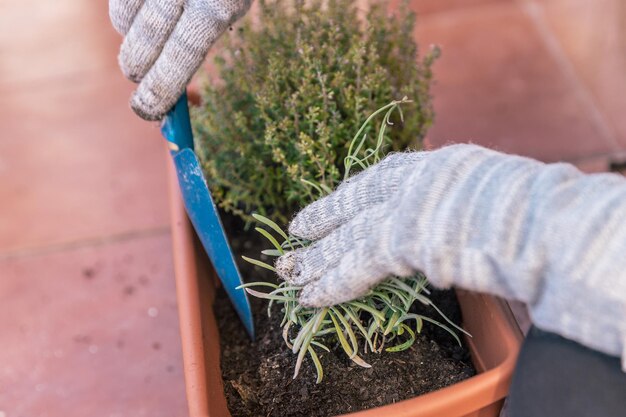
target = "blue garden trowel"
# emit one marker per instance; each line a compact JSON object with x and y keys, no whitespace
{"x":201,"y":208}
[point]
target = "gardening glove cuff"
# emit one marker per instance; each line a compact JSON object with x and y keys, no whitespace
{"x":467,"y":216}
{"x":165,"y":41}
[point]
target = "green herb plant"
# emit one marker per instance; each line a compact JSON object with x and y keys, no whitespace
{"x":293,"y":82}
{"x":380,"y":319}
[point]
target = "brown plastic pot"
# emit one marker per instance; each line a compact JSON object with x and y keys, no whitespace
{"x":494,"y":345}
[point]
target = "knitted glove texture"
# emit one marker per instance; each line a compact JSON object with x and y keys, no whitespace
{"x":165,"y":41}
{"x":466,"y":216}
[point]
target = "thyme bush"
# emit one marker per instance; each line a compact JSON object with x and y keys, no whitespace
{"x":293,"y":87}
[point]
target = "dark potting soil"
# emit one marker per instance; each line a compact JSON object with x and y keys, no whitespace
{"x":258,"y":375}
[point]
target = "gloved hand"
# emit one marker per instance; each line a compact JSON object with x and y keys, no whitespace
{"x":165,"y":41}
{"x":467,"y":216}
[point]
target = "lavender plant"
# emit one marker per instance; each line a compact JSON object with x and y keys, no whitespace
{"x":381,"y":320}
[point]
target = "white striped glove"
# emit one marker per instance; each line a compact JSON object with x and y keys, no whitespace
{"x":467,"y":216}
{"x":165,"y":41}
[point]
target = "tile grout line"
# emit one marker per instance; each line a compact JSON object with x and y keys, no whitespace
{"x":84,"y":243}
{"x":553,"y":45}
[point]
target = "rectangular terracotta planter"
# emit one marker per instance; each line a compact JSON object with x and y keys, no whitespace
{"x":494,"y":345}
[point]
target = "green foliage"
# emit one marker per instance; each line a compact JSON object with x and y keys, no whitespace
{"x":294,"y":86}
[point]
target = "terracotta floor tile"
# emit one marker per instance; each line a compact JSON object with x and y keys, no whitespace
{"x":91,"y":332}
{"x":497,"y":85}
{"x":76,"y":163}
{"x":593,"y":36}
{"x":40,"y":40}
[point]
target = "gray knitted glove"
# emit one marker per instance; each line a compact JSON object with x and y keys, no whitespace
{"x":165,"y":41}
{"x":466,"y":216}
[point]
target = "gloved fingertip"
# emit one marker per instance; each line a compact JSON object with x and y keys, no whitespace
{"x":285,"y":266}
{"x":127,"y":71}
{"x":290,"y":268}
{"x":301,"y":227}
{"x":145,"y":111}
{"x":296,"y":229}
